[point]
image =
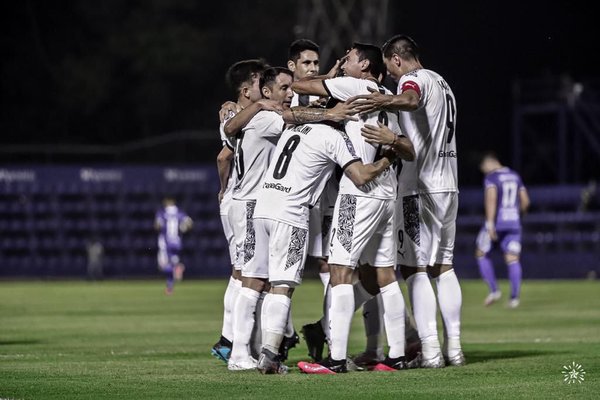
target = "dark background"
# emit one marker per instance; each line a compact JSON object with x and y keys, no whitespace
{"x":111,"y":72}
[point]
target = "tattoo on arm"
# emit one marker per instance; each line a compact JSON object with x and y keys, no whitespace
{"x":303,"y":115}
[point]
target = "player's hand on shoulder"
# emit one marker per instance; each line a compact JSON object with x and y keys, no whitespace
{"x":379,"y":134}
{"x":367,"y":103}
{"x":343,"y":111}
{"x":228,"y":109}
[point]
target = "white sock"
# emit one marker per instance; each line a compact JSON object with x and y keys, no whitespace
{"x":256,"y":336}
{"x":340,"y":318}
{"x":450,"y":300}
{"x":275,"y":312}
{"x":243,"y":321}
{"x":324,"y":279}
{"x":393,"y":316}
{"x":289,"y":327}
{"x":373,"y":321}
{"x":424,"y":307}
{"x":229,"y":298}
{"x":326,"y":307}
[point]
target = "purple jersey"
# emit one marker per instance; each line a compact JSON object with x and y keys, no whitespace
{"x":171,"y":223}
{"x":508,"y":204}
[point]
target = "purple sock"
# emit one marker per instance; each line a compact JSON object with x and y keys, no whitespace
{"x":514,"y":274}
{"x":486,"y":268}
{"x":169,"y":274}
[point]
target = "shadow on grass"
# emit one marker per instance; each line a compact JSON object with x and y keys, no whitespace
{"x":19,"y":341}
{"x":478,"y":356}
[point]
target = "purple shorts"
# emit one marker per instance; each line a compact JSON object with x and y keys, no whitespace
{"x":509,"y":240}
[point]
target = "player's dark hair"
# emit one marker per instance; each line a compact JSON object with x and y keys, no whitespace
{"x":403,"y":45}
{"x":269,"y":76}
{"x":244,"y":72}
{"x":300,"y":45}
{"x":375,"y":57}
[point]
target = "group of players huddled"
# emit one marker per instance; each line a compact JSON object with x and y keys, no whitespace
{"x":336,"y":172}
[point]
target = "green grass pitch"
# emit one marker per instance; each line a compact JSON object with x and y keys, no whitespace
{"x":127,"y":340}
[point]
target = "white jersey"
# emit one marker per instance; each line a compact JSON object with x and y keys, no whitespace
{"x":385,"y":185}
{"x":230,"y":143}
{"x":253,"y":151}
{"x":296,"y":99}
{"x":431,"y":128}
{"x":303,"y":162}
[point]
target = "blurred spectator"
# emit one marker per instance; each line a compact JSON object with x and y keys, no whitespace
{"x":95,"y":259}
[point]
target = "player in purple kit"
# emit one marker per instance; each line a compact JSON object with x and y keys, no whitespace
{"x":171,"y":223}
{"x":505,"y":199}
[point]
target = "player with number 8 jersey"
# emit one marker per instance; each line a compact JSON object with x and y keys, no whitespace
{"x":302,"y":163}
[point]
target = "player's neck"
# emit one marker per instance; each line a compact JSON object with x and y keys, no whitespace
{"x":371,"y":78}
{"x":244,"y":102}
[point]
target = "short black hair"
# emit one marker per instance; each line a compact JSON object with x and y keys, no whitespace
{"x":403,"y":45}
{"x":300,"y":45}
{"x":489,"y":154}
{"x":269,"y":76}
{"x":374,"y":55}
{"x":244,"y":71}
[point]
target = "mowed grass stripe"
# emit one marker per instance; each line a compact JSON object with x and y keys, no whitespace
{"x":126,"y":339}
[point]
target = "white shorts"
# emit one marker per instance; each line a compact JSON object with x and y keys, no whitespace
{"x":240,"y":216}
{"x":228,"y":231}
{"x":363,"y":229}
{"x":280,"y":253}
{"x":426,"y":228}
{"x":315,"y":231}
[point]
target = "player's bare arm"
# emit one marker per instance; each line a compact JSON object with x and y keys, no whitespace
{"x":367,"y":103}
{"x":305,"y":115}
{"x":241,"y":119}
{"x":312,"y":86}
{"x":490,"y":199}
{"x":360,"y":174}
{"x":228,"y":108}
{"x":382,"y":134}
{"x":223,"y":166}
{"x":524,"y":200}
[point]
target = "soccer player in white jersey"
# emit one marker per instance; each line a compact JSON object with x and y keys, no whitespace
{"x":303,"y":61}
{"x":363,"y":222}
{"x":428,"y":202}
{"x":260,"y":130}
{"x":303,"y":162}
{"x":243,"y":78}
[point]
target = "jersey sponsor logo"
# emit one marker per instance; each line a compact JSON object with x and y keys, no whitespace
{"x":447,"y":154}
{"x":277,"y":186}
